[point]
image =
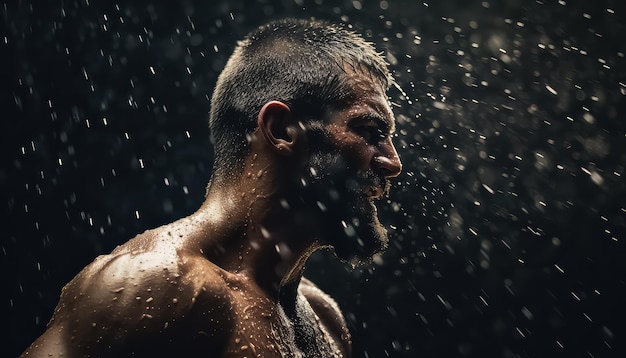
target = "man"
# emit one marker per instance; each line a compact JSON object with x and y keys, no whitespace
{"x":302,"y":133}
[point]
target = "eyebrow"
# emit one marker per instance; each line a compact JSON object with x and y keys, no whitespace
{"x":388,"y":126}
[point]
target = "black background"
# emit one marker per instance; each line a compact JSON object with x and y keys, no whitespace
{"x":509,"y":217}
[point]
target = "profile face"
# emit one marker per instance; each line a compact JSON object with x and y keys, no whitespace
{"x":350,"y":169}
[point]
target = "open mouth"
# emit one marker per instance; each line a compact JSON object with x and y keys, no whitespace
{"x":373,"y":191}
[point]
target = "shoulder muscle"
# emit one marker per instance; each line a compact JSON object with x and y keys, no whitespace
{"x":132,"y":301}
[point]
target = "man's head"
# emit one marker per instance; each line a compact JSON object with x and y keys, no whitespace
{"x":332,"y":84}
{"x":301,"y":63}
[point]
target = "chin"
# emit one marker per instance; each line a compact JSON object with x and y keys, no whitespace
{"x":357,"y":240}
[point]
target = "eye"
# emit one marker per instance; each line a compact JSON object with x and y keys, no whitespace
{"x":372,"y":128}
{"x":371,"y":133}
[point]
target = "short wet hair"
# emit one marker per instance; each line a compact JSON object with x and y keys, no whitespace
{"x":302,"y":63}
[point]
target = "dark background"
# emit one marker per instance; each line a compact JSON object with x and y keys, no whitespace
{"x":509,"y":217}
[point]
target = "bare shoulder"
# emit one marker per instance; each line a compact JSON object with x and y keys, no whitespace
{"x":318,"y":298}
{"x":142,"y":292}
{"x":329,"y":313}
{"x":147,"y":276}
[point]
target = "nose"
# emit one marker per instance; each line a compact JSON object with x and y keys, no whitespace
{"x":387,"y":162}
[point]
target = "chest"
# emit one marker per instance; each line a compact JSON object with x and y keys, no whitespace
{"x":264,"y":329}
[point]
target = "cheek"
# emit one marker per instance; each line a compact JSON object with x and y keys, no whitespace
{"x":355,"y":151}
{"x":358,"y":155}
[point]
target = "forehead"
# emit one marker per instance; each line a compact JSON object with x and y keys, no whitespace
{"x":368,"y":100}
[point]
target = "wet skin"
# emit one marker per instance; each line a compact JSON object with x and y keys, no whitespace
{"x":227,"y":280}
{"x":157,"y":296}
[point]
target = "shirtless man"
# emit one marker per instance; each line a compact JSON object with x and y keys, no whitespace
{"x":302,"y":130}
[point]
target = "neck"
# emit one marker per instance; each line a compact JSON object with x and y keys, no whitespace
{"x":249,"y":229}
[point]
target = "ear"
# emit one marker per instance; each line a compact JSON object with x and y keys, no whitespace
{"x":276,"y":126}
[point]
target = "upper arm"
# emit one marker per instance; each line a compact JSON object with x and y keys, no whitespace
{"x":329,"y":313}
{"x":134,"y":304}
{"x":50,"y":344}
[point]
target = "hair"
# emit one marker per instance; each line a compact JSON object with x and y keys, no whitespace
{"x":302,"y":63}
